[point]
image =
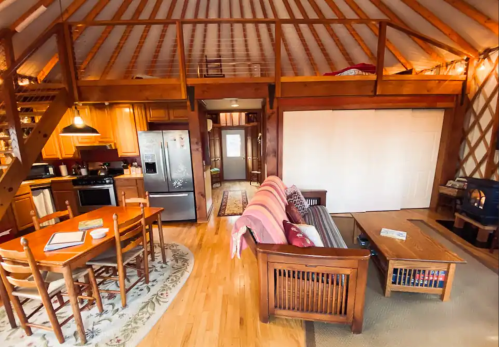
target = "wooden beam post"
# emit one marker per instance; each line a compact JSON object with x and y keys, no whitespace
{"x":65,"y":48}
{"x":277,"y":68}
{"x":271,"y":141}
{"x":181,"y":59}
{"x":380,"y":58}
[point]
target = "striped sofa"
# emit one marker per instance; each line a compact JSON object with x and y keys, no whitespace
{"x":318,"y":283}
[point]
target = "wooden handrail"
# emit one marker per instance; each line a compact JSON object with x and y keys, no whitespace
{"x":32,"y":48}
{"x":428,"y":39}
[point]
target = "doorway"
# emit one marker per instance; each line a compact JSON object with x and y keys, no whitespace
{"x":234,"y":154}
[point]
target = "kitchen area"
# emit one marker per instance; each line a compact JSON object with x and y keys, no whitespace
{"x":100,"y":152}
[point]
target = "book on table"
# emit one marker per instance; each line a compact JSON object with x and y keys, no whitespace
{"x":394,"y":234}
{"x":90,"y":224}
{"x":65,"y":240}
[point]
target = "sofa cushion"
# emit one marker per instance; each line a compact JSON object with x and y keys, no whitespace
{"x":294,"y":195}
{"x":319,"y":217}
{"x":294,"y":235}
{"x":311,"y":232}
{"x":294,"y":215}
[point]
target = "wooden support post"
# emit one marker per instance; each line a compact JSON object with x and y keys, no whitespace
{"x":66,"y":59}
{"x":181,"y":59}
{"x":448,"y":282}
{"x":271,"y":144}
{"x":277,"y":49}
{"x":380,"y":58}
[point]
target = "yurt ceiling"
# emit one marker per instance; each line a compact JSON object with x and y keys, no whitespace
{"x":469,"y":25}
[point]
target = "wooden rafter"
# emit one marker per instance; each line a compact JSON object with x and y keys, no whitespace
{"x":331,"y":32}
{"x":259,"y":36}
{"x":123,"y":39}
{"x":232,"y":43}
{"x":318,"y":40}
{"x":71,"y":9}
{"x":205,"y":33}
{"x":375,"y":30}
{"x":245,"y":37}
{"x":100,"y":41}
{"x":190,"y":47}
{"x":393,"y":17}
{"x":173,"y":50}
{"x":473,"y":13}
{"x":269,"y":28}
{"x":284,"y":40}
{"x":164,"y":29}
{"x":29,"y":12}
{"x":140,"y":44}
{"x":219,"y":28}
{"x":437,"y":23}
{"x":301,"y":37}
{"x":332,"y":5}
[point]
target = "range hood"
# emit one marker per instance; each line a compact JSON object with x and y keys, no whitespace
{"x":96,"y":147}
{"x":101,"y":152}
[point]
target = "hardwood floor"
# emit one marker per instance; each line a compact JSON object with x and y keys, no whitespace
{"x":218,"y":306}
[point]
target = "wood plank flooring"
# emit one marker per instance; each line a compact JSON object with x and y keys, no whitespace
{"x":218,"y":306}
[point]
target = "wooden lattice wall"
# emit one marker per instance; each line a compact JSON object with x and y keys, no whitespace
{"x":478,"y":156}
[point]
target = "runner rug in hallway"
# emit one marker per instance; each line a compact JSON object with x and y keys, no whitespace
{"x":116,"y":326}
{"x":233,"y":203}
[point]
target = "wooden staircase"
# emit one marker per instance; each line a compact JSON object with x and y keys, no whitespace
{"x":29,"y":113}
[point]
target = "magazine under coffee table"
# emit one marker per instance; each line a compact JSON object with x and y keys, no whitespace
{"x":419,"y":264}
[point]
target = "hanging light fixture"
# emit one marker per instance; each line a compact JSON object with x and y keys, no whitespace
{"x":234,"y":103}
{"x":78,"y":128}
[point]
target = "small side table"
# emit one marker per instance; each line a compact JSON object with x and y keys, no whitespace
{"x":255,"y":176}
{"x":483,"y":230}
{"x":215,"y":177}
{"x":449,"y":196}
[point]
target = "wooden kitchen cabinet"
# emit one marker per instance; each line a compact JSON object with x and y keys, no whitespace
{"x":127,"y":141}
{"x":157,"y":113}
{"x":101,"y":118}
{"x":133,"y":188}
{"x":178,"y":112}
{"x":66,"y":145}
{"x":63,"y":191}
{"x":88,"y":119}
{"x":51,"y":148}
{"x":22,"y":205}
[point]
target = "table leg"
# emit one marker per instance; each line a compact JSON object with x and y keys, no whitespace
{"x":6,"y":303}
{"x":73,"y":299}
{"x":161,"y":239}
{"x":458,"y":222}
{"x":388,"y":282}
{"x":448,"y":282}
{"x":356,"y":232}
{"x":151,"y":241}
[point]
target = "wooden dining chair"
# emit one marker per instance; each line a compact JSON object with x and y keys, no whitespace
{"x":68,"y":213}
{"x":145,"y":201}
{"x":23,"y":279}
{"x":131,"y":241}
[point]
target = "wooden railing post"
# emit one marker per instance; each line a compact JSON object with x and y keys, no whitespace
{"x":181,"y":59}
{"x":380,"y":58}
{"x":277,"y":43}
{"x":7,"y":84}
{"x":66,"y":59}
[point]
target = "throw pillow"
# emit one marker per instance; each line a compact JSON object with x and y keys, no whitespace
{"x":294,"y":195}
{"x":311,"y":232}
{"x":294,"y":236}
{"x":294,"y":215}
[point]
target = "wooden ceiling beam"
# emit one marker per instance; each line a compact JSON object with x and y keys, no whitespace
{"x":259,"y":37}
{"x":311,"y":27}
{"x":473,"y":13}
{"x":164,"y":29}
{"x":140,"y":44}
{"x":29,"y":12}
{"x":425,"y":46}
{"x":68,"y":12}
{"x":437,"y":23}
{"x":331,"y":32}
{"x":284,"y":41}
{"x":104,"y":35}
{"x":374,"y":28}
{"x":372,"y":58}
{"x":174,"y":44}
{"x":302,"y":38}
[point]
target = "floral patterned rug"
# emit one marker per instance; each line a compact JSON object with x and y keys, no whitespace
{"x":233,"y":203}
{"x":116,"y":326}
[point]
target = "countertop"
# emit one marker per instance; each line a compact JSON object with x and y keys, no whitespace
{"x":46,"y":180}
{"x":134,"y":176}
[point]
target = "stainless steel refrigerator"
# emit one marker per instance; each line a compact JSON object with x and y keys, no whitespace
{"x":167,"y":169}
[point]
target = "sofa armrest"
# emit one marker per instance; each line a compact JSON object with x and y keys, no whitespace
{"x":315,"y":196}
{"x":313,"y":252}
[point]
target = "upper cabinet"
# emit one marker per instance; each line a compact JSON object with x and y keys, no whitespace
{"x":126,"y":131}
{"x":102,"y":121}
{"x":88,"y":119}
{"x":167,"y":112}
{"x":51,"y":148}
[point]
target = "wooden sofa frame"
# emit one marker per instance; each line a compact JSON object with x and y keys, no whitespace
{"x":317,"y":284}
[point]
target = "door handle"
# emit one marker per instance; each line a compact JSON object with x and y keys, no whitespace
{"x":162,"y":153}
{"x":167,"y":195}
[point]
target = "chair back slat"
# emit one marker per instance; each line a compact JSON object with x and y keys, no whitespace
{"x":133,"y":228}
{"x":37,"y":221}
{"x":21,"y":283}
{"x":18,"y":269}
{"x":132,"y":245}
{"x":145,"y":201}
{"x":131,"y":233}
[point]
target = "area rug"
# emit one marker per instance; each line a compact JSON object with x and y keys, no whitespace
{"x":233,"y":203}
{"x":470,"y":318}
{"x":116,"y":326}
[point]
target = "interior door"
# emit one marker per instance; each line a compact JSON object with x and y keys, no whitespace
{"x":234,"y":154}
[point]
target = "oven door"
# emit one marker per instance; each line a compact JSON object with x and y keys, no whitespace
{"x":93,"y":197}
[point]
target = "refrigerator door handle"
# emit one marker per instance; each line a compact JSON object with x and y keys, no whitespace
{"x":167,"y":162}
{"x":163,"y":160}
{"x":166,"y":195}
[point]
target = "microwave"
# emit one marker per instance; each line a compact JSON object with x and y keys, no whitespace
{"x":40,"y":170}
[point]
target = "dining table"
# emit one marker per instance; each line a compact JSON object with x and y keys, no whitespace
{"x":68,"y":259}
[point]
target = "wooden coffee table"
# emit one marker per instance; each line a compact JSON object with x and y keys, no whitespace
{"x":419,"y":264}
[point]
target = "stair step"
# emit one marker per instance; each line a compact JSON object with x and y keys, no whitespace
{"x":9,"y":151}
{"x":38,"y":93}
{"x":23,"y":125}
{"x":34,"y":103}
{"x":25,"y":114}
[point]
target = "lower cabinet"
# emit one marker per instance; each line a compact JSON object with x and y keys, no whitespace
{"x":63,"y":191}
{"x":8,"y":227}
{"x":22,"y":205}
{"x":133,"y":188}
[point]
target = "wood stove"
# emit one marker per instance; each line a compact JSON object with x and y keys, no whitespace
{"x":481,"y":201}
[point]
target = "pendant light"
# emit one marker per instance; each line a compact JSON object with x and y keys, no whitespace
{"x":78,"y":128}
